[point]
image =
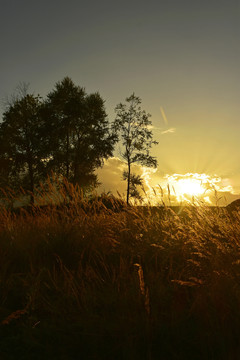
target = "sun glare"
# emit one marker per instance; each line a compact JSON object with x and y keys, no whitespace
{"x":191,"y":187}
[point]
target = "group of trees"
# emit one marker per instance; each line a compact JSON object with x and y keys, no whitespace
{"x":68,"y":134}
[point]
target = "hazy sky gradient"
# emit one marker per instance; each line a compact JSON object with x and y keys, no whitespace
{"x":182,"y":56}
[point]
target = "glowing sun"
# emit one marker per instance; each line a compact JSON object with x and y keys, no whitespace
{"x":192,"y":187}
{"x":185,"y":188}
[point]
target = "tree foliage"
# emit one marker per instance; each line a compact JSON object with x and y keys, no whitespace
{"x":133,"y":127}
{"x":79,"y":134}
{"x":21,"y":143}
{"x":67,"y":134}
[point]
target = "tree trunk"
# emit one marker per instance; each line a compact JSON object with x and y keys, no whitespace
{"x":128,"y":181}
{"x":67,"y":157}
{"x":76,"y":163}
{"x":31,"y":178}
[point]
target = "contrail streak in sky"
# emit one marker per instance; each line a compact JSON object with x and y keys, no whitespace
{"x":163,"y":115}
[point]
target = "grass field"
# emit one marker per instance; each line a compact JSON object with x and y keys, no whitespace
{"x":101,"y":280}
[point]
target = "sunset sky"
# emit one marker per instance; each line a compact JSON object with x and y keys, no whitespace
{"x":181,"y":57}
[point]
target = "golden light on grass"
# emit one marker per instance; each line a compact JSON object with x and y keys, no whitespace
{"x":71,"y":264}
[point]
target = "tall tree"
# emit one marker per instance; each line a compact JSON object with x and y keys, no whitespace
{"x":134,"y":129}
{"x":21,"y":143}
{"x":78,"y":131}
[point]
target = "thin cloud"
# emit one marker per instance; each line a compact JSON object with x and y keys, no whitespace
{"x":169,"y":131}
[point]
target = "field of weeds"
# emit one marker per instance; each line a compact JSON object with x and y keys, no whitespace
{"x":101,"y":280}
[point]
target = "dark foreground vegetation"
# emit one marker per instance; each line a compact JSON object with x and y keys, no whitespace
{"x":102,"y":280}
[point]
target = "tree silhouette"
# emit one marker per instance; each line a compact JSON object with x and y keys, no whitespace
{"x":78,"y":133}
{"x":67,"y":134}
{"x":133,"y":126}
{"x":21,"y":144}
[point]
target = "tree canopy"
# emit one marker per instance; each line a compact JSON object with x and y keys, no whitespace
{"x":21,"y":143}
{"x":78,"y":132}
{"x":68,"y":134}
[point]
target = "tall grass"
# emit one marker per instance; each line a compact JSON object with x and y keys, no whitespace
{"x":97,"y":279}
